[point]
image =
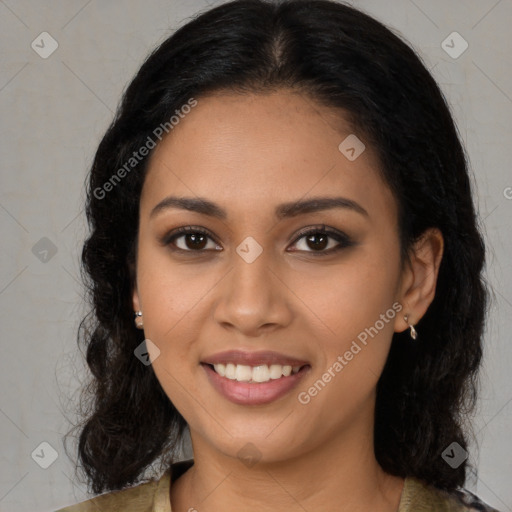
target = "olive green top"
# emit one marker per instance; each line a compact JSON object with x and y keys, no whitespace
{"x":154,"y":496}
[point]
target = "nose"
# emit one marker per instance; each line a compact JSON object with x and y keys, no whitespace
{"x":253,"y":298}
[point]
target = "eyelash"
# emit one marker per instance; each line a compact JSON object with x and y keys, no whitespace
{"x":343,"y":240}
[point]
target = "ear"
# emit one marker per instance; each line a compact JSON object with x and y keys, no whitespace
{"x":135,"y":299}
{"x":133,"y":280}
{"x":419,"y":277}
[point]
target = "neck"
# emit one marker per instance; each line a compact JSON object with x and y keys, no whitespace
{"x":341,"y":473}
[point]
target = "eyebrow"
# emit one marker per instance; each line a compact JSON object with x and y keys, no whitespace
{"x":282,"y":211}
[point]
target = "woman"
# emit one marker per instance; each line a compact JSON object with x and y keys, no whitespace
{"x":284,"y":257}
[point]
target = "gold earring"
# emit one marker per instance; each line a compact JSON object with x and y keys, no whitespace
{"x":138,"y":320}
{"x":413,"y":332}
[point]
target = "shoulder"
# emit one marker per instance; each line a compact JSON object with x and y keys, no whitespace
{"x":139,"y":498}
{"x":417,"y":496}
{"x":152,"y":496}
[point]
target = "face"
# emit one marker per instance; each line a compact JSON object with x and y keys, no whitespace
{"x":257,"y":273}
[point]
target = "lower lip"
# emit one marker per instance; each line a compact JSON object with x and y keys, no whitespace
{"x":249,"y":393}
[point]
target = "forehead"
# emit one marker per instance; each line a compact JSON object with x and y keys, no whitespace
{"x":254,"y":150}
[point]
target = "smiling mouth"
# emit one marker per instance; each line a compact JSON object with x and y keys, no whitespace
{"x":258,"y":374}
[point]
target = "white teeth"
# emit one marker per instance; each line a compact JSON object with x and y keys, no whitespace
{"x":230,"y":371}
{"x":243,"y":373}
{"x":220,"y":369}
{"x":276,"y":371}
{"x":261,"y":373}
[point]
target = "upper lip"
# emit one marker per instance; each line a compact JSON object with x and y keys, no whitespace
{"x":253,"y":358}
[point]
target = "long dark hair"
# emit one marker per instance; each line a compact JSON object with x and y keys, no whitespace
{"x":344,"y":59}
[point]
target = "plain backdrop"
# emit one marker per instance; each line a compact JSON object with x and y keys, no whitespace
{"x":54,"y":111}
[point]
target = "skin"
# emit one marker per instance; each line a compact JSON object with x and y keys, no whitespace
{"x":248,"y":154}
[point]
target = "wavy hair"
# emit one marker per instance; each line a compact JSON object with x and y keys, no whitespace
{"x":343,"y":59}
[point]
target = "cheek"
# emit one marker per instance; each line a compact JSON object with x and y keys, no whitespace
{"x":170,"y":300}
{"x":170,"y":293}
{"x":356,"y":302}
{"x":351,"y":296}
{"x":357,"y":311}
{"x":171,"y":303}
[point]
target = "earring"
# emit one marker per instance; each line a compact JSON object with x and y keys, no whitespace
{"x":413,"y":332}
{"x":138,"y":320}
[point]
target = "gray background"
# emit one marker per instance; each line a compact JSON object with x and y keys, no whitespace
{"x":53,"y":113}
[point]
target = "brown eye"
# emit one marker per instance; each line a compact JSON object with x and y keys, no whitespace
{"x":190,"y":239}
{"x":317,"y":241}
{"x":322,"y":241}
{"x":194,"y":241}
